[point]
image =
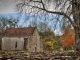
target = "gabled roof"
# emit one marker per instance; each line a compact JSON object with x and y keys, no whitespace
{"x":14,"y":32}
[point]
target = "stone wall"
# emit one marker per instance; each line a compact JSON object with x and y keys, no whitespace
{"x":35,"y":43}
{"x":12,"y":43}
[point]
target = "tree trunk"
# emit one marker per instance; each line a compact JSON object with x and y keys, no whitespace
{"x":77,"y":39}
{"x":76,"y":16}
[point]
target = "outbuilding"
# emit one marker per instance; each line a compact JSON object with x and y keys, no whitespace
{"x":22,"y":39}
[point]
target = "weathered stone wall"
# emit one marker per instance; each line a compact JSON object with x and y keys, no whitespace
{"x":12,"y":43}
{"x":35,"y":43}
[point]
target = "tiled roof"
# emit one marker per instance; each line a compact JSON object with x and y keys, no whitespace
{"x":13,"y":32}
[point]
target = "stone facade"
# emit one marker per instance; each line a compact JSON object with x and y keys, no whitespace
{"x":35,"y":43}
{"x":32,"y":43}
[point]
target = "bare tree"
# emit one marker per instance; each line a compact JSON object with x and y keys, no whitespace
{"x":8,"y":22}
{"x":67,"y":12}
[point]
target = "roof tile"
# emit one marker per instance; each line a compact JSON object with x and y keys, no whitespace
{"x":12,"y":32}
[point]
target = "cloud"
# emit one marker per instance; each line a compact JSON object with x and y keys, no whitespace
{"x":7,"y":6}
{"x":58,"y":32}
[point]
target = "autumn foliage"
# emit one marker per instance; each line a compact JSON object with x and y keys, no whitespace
{"x":48,"y":45}
{"x":48,"y":40}
{"x":69,"y":38}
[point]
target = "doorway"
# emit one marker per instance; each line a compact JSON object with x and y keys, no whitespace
{"x":25,"y":43}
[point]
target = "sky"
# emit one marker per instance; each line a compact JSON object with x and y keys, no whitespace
{"x":7,"y":6}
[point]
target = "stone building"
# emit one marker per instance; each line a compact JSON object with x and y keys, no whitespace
{"x":22,"y":39}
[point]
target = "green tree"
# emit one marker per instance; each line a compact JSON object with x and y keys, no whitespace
{"x":58,"y":43}
{"x":8,"y":22}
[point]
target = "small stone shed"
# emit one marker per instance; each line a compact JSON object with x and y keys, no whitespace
{"x":22,"y":39}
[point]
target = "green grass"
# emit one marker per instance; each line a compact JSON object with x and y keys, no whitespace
{"x":69,"y":51}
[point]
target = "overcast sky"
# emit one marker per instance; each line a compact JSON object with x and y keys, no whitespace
{"x":7,"y":6}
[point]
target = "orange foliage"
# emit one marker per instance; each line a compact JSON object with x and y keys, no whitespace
{"x":69,"y":40}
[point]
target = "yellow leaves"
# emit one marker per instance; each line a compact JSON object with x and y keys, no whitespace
{"x":48,"y":45}
{"x":49,"y":40}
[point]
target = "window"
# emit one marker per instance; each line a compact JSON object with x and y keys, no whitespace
{"x":15,"y":44}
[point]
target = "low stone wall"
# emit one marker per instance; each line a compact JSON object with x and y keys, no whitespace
{"x":23,"y":55}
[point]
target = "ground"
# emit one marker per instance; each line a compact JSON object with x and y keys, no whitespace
{"x":23,"y":55}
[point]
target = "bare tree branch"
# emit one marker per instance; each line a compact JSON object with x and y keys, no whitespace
{"x":46,"y":10}
{"x":54,"y":12}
